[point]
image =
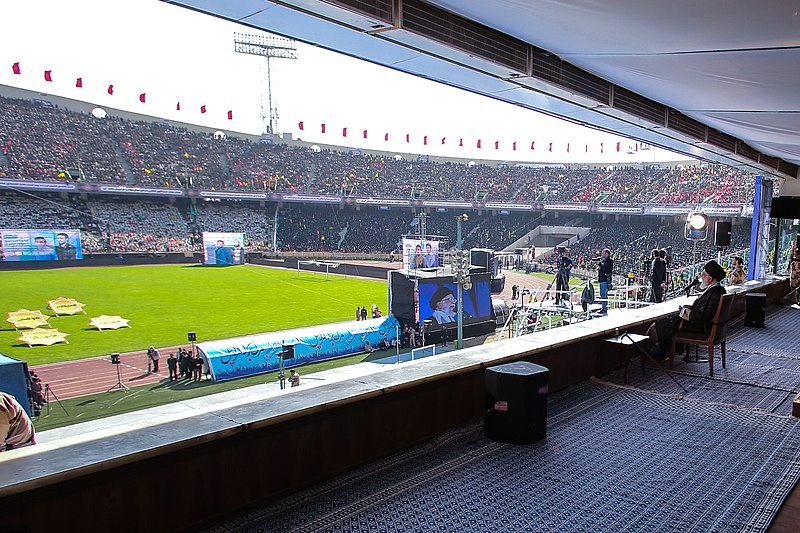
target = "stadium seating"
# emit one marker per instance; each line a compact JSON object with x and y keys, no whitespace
{"x":47,"y":143}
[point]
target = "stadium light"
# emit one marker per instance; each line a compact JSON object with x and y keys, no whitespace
{"x":268,"y":47}
{"x":696,"y":227}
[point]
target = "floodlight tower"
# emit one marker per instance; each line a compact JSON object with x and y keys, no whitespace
{"x":270,"y":47}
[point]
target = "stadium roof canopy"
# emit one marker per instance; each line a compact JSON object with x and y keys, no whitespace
{"x":718,"y":80}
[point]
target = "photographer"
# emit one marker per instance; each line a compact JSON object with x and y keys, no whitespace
{"x":605,"y":268}
{"x":562,"y":276}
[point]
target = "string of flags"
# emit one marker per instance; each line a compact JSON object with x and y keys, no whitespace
{"x":48,"y":77}
{"x":630,"y":149}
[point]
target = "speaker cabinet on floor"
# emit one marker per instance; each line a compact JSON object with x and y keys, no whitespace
{"x":755,"y":309}
{"x":516,"y":397}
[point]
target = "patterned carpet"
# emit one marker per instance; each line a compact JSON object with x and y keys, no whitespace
{"x":614,"y":459}
{"x":763,"y":370}
{"x":641,"y":457}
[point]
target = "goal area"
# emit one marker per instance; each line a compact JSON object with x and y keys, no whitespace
{"x":316,"y":268}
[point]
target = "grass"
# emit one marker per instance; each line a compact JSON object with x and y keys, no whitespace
{"x":105,"y":404}
{"x":165,"y":302}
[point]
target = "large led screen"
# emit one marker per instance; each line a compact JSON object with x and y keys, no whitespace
{"x":438,"y":301}
{"x":41,"y":244}
{"x":420,"y":253}
{"x":223,"y":248}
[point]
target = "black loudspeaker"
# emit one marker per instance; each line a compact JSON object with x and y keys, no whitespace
{"x":192,"y":336}
{"x":516,"y":398}
{"x":755,"y":309}
{"x":288,"y":351}
{"x":722,"y":233}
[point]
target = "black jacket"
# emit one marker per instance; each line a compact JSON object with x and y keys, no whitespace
{"x":659,"y":272}
{"x":605,"y":269}
{"x":704,"y":309}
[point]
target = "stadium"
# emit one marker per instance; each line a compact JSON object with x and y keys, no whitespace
{"x":488,"y":353}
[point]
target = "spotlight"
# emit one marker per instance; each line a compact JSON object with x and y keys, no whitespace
{"x":696,"y":227}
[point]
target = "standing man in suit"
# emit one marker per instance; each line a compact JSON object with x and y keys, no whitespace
{"x":658,"y":277}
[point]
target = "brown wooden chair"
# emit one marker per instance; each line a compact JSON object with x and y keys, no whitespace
{"x":715,"y":336}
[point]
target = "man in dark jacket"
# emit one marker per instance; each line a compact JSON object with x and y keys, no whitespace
{"x":605,"y":268}
{"x":658,"y":277}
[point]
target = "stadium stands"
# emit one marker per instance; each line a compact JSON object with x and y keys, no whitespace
{"x":45,"y":143}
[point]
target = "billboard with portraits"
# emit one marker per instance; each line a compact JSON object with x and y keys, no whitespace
{"x":223,"y":248}
{"x":438,"y":301}
{"x":41,"y":244}
{"x":420,"y":253}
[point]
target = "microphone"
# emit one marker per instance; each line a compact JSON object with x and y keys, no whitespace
{"x":690,"y":286}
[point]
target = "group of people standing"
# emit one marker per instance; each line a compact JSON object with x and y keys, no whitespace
{"x":362,"y":313}
{"x":182,"y":364}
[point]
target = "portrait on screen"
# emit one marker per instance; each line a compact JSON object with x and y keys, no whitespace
{"x":438,"y":300}
{"x":420,"y":253}
{"x":223,"y":248}
{"x":41,"y":244}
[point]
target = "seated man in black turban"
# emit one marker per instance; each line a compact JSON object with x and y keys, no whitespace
{"x":696,"y":317}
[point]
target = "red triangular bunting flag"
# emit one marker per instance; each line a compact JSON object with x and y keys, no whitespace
{"x":178,"y":107}
{"x":202,"y":109}
{"x":300,"y":125}
{"x":514,"y":146}
{"x":365,"y":134}
{"x":230,"y":115}
{"x":15,"y":68}
{"x":344,"y":132}
{"x":497,"y":145}
{"x":551,"y":147}
{"x":48,"y":75}
{"x":587,"y":148}
{"x":637,"y":147}
{"x":408,"y":138}
{"x":479,"y":143}
{"x":385,"y":136}
{"x":425,"y":140}
{"x":110,"y":89}
{"x":532,"y":143}
{"x":79,"y":83}
{"x":618,"y":147}
{"x":142,"y":97}
{"x":567,"y":147}
{"x":601,"y":148}
{"x":443,"y":138}
{"x":323,"y":128}
{"x":461,"y":142}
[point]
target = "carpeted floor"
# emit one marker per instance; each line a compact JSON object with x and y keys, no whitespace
{"x":641,"y":457}
{"x":614,"y":459}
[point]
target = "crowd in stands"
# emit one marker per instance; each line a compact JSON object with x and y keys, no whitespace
{"x":42,"y":142}
{"x":119,"y":225}
{"x":632,"y":240}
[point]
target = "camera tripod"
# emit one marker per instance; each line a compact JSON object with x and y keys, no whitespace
{"x":119,"y":384}
{"x":48,"y":391}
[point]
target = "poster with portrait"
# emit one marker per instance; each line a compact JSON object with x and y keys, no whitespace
{"x":438,"y":300}
{"x":420,"y":253}
{"x":223,"y":248}
{"x":41,"y":244}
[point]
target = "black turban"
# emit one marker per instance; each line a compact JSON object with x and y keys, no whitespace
{"x":714,"y":270}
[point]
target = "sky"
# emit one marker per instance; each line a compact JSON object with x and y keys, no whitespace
{"x":172,"y":55}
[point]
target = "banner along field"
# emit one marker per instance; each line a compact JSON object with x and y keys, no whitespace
{"x":163,"y":303}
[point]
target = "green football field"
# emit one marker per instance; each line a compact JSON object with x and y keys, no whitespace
{"x":163,"y":303}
